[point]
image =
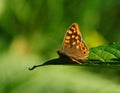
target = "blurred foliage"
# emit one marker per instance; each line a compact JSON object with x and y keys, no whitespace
{"x":32,"y":30}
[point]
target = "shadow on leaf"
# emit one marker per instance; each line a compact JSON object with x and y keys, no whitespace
{"x":57,"y":61}
{"x":67,"y":61}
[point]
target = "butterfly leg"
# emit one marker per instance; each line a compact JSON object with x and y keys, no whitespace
{"x":79,"y":61}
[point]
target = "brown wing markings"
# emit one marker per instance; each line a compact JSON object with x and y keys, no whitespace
{"x":73,"y":45}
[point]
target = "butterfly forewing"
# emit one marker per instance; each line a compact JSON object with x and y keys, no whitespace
{"x":73,"y":46}
{"x":72,"y":37}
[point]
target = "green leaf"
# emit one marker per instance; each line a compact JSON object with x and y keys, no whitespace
{"x":105,"y":53}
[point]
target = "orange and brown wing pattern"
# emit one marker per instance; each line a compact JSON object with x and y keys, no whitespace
{"x":72,"y":37}
{"x":73,"y":46}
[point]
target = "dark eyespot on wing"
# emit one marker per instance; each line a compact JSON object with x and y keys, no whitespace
{"x":84,"y":52}
{"x":83,"y":48}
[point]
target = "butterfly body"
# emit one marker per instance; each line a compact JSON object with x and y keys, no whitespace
{"x":73,"y":45}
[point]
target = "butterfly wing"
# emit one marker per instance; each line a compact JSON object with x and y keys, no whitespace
{"x":73,"y":46}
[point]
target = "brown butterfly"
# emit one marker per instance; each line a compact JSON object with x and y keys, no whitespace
{"x":73,"y":45}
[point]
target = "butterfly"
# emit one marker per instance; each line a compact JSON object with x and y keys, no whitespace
{"x":73,"y":45}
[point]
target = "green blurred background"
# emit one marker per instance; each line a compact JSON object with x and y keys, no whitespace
{"x":32,"y":30}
